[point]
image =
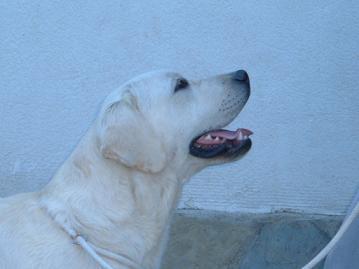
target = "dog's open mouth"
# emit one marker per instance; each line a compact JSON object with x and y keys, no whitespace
{"x":221,"y":142}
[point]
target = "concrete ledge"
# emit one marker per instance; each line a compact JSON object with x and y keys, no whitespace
{"x":213,"y":240}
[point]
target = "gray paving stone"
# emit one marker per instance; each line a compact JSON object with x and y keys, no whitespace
{"x":212,"y":240}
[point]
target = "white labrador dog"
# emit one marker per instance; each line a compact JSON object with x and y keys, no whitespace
{"x":121,"y":184}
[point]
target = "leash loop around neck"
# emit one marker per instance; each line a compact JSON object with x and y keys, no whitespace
{"x":94,"y":251}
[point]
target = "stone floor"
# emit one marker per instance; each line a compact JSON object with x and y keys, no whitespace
{"x":212,"y":240}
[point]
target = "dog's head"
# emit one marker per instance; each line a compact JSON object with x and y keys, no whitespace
{"x":163,"y":120}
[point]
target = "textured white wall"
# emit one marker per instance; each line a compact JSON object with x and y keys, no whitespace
{"x":59,"y":59}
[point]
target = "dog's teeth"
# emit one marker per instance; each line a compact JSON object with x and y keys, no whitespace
{"x":216,"y":139}
{"x":208,"y":137}
{"x":240,"y":136}
{"x":245,"y":137}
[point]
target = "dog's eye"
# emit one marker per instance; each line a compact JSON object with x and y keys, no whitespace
{"x":181,"y":84}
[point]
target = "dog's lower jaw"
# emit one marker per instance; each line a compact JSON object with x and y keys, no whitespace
{"x":116,"y":213}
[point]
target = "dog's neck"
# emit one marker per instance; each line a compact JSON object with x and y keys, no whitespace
{"x":114,"y":207}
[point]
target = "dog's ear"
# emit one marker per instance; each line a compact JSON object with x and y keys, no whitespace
{"x":126,"y":137}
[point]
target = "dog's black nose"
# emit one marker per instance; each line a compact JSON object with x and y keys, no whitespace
{"x":241,"y":76}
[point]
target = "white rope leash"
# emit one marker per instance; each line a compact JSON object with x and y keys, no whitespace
{"x":325,"y":251}
{"x":94,"y":252}
{"x":82,"y":242}
{"x":116,"y":257}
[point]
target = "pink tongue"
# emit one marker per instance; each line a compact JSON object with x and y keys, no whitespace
{"x":224,"y":134}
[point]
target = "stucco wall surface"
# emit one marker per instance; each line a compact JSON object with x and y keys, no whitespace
{"x":59,"y":59}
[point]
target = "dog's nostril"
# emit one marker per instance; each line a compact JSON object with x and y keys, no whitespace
{"x":240,"y":75}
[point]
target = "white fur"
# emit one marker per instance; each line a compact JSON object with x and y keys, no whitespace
{"x":121,"y":184}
